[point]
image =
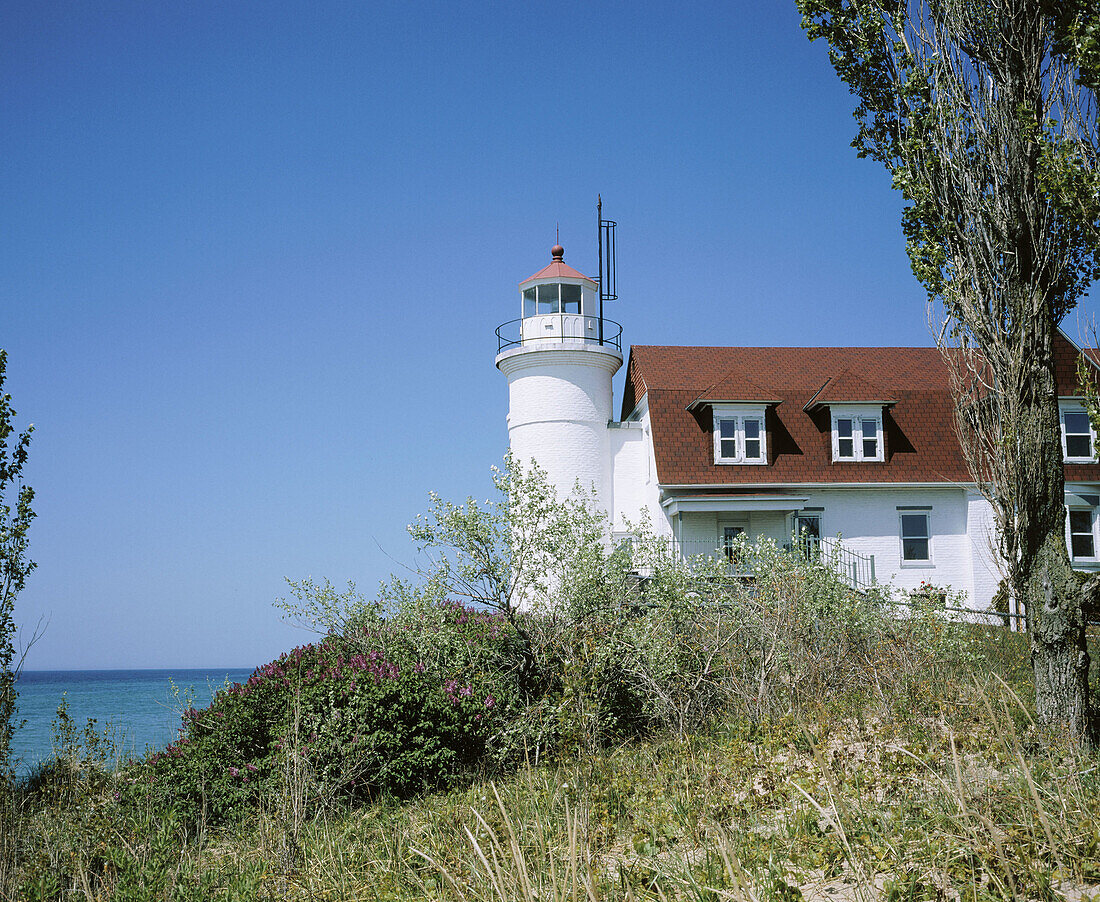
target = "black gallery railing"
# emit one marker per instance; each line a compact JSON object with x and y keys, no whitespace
{"x":559,"y":328}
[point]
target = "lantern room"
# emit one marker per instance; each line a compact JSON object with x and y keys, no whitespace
{"x":559,"y":304}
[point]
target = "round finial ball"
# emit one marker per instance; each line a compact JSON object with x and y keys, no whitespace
{"x":557,"y":252}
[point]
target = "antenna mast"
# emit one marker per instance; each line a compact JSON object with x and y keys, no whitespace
{"x":605,"y":229}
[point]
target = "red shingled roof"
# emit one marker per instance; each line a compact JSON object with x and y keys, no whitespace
{"x":920,"y":446}
{"x":736,"y":386}
{"x":847,"y":387}
{"x":557,"y":270}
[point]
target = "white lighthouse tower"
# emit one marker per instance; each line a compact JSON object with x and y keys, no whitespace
{"x":559,"y":358}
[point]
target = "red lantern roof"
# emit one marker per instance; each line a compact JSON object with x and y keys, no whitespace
{"x":558,"y":269}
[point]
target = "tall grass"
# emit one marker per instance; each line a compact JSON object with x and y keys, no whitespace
{"x":794,"y":811}
{"x":792,"y":741}
{"x":966,"y":804}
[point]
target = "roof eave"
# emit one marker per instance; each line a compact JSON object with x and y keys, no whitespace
{"x":710,"y":402}
{"x":814,"y":403}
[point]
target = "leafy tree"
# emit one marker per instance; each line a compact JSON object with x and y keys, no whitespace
{"x":525,"y":549}
{"x":14,"y":566}
{"x":980,"y":113}
{"x":1077,"y":32}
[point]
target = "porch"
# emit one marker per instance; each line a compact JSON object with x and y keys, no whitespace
{"x":708,"y":526}
{"x":857,"y":570}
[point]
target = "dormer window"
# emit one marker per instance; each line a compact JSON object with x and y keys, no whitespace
{"x":739,"y":435}
{"x":857,"y":435}
{"x":554,"y":298}
{"x":1078,"y":437}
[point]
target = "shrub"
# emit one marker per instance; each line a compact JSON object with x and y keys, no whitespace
{"x":612,"y":643}
{"x":360,"y":722}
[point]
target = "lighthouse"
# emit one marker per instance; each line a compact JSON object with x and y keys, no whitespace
{"x":559,"y":358}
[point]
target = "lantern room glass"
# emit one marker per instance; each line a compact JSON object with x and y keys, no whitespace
{"x":552,"y":298}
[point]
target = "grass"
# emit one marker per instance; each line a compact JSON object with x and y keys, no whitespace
{"x":935,"y":790}
{"x":854,"y":809}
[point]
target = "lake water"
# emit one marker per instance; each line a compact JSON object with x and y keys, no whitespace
{"x":141,"y":708}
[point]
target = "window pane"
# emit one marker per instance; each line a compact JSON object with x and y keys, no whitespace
{"x":1078,"y":445}
{"x":1081,"y":539}
{"x":914,"y":549}
{"x":571,"y":298}
{"x":729,"y":542}
{"x":914,"y":526}
{"x":870,"y":438}
{"x":845,"y":446}
{"x":1078,"y":434}
{"x":1082,"y":546}
{"x":914,"y":537}
{"x":548,"y":298}
{"x":752,"y":439}
{"x":727,"y":428}
{"x":1080,"y":521}
{"x":809,"y":525}
{"x":807,"y":529}
{"x":1076,"y":422}
{"x":729,"y":448}
{"x":529,"y":302}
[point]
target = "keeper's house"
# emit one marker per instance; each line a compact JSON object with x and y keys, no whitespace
{"x":856,"y":443}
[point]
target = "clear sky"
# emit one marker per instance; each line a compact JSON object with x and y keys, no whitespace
{"x":253,"y":256}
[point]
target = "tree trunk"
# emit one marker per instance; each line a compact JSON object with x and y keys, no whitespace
{"x":1044,"y":578}
{"x":1059,"y":656}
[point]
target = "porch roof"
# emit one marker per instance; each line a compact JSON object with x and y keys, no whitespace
{"x":692,"y":503}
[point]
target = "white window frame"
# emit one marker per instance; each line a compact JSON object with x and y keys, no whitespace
{"x":738,"y":415}
{"x":910,"y":512}
{"x":1091,"y":511}
{"x":857,"y":415}
{"x":1063,"y":409}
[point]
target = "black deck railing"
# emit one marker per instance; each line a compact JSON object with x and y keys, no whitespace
{"x":511,"y":334}
{"x":858,"y":570}
{"x":855,"y":569}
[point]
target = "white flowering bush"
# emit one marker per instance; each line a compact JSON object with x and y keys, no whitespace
{"x":528,"y":632}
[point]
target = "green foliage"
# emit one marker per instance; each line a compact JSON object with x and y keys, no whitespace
{"x":356,"y":722}
{"x":325,"y":609}
{"x":14,"y":566}
{"x":985,"y":115}
{"x":948,"y":805}
{"x":630,"y":640}
{"x":939,"y":89}
{"x":706,"y":735}
{"x":516,"y":551}
{"x":67,"y":835}
{"x":1077,"y":36}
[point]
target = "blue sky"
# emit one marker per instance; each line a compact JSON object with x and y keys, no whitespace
{"x":254,"y":254}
